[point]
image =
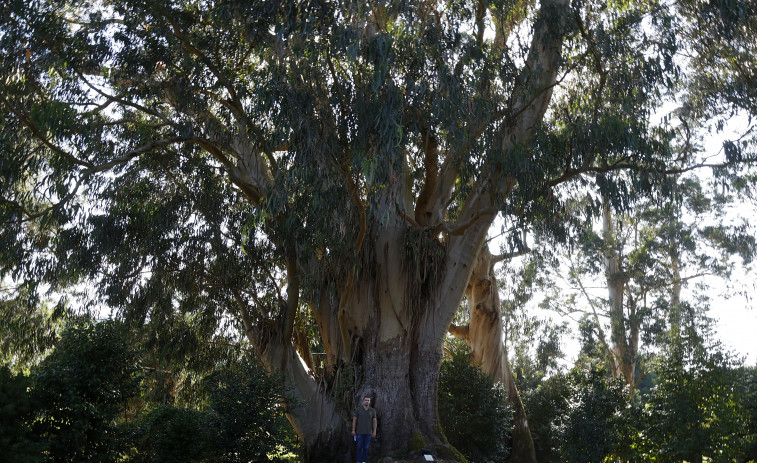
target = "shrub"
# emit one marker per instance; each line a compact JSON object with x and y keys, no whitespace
{"x":17,"y":442}
{"x":472,"y":410}
{"x":82,"y":388}
{"x":246,"y":404}
{"x":596,"y":423}
{"x":169,"y":434}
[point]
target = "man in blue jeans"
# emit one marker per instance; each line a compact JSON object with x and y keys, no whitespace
{"x":363,"y":428}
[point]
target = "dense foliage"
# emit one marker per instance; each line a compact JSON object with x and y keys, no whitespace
{"x":242,"y":422}
{"x":82,"y":389}
{"x":472,"y":409}
{"x":595,"y":425}
{"x":696,"y":403}
{"x":246,"y":409}
{"x":173,"y":435}
{"x":17,"y":410}
{"x":89,"y":401}
{"x":698,"y":408}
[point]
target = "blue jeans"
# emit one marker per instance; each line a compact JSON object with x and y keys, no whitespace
{"x":363,"y":440}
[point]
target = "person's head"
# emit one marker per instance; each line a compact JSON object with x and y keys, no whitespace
{"x":367,"y":401}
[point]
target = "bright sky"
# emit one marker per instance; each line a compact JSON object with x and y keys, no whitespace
{"x":737,"y":316}
{"x":737,"y":327}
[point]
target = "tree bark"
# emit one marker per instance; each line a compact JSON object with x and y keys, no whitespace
{"x":393,"y":316}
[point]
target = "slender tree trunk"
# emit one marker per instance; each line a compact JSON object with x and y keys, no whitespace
{"x":624,"y":333}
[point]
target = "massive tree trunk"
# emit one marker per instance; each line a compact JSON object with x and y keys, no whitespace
{"x":396,"y":315}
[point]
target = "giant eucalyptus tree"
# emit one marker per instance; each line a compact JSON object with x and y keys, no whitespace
{"x":318,"y":175}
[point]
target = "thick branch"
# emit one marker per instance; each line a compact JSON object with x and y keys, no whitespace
{"x":128,"y":156}
{"x":628,"y":166}
{"x":539,"y":75}
{"x":510,"y":255}
{"x":293,"y":295}
{"x":235,"y":175}
{"x":431,"y":165}
{"x":37,"y":133}
{"x":460,"y":228}
{"x":234,"y":103}
{"x":458,"y":331}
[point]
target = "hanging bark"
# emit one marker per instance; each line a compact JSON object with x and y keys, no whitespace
{"x":486,"y":338}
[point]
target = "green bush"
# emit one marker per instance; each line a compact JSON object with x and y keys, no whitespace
{"x":546,"y":406}
{"x":582,"y":415}
{"x":169,"y":434}
{"x":17,"y":442}
{"x":749,"y":384}
{"x":246,"y":405}
{"x":595,"y":426}
{"x":75,"y":408}
{"x":472,"y":410}
{"x":699,"y":408}
{"x":82,"y":389}
{"x":243,"y":423}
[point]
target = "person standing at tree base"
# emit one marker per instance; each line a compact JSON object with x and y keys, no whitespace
{"x":363,"y":428}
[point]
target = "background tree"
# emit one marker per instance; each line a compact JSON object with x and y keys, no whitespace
{"x":649,"y":256}
{"x":699,"y":382}
{"x":637,"y":232}
{"x":28,"y":328}
{"x":535,"y":340}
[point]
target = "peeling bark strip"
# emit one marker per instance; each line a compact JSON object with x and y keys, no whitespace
{"x":485,"y":337}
